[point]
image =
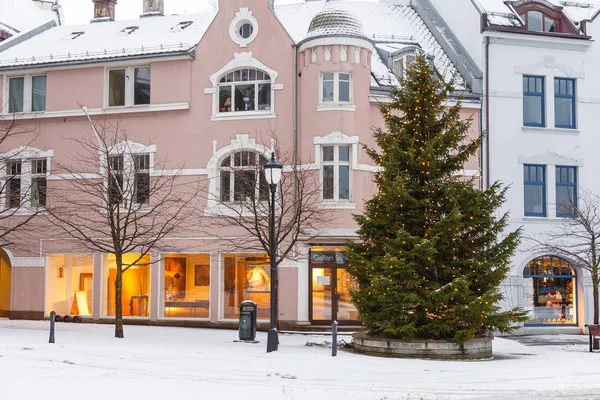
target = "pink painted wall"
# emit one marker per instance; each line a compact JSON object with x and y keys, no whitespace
{"x":186,"y":136}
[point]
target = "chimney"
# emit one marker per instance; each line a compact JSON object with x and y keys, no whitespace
{"x":153,"y":7}
{"x":104,"y":10}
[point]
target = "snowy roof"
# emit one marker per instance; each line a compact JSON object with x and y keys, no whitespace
{"x":22,"y":15}
{"x":382,"y":23}
{"x":106,"y":40}
{"x":335,"y":20}
{"x":501,"y":13}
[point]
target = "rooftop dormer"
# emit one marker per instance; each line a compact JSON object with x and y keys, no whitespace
{"x":542,"y":16}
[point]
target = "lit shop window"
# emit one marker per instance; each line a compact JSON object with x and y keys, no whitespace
{"x":246,"y":277}
{"x":186,"y":286}
{"x":69,"y":289}
{"x":135,"y":296}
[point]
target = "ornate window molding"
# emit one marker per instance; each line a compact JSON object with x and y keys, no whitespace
{"x":241,"y":61}
{"x":243,"y":142}
{"x":239,"y":27}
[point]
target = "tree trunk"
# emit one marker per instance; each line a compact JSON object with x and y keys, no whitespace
{"x":595,"y":281}
{"x":118,"y":298}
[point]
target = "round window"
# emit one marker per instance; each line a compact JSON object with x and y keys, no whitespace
{"x":246,"y":30}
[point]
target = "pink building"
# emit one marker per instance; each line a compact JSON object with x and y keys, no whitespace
{"x":201,"y":88}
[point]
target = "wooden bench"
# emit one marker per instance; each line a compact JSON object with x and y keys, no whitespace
{"x":594,"y":332}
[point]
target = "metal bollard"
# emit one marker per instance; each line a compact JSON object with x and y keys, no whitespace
{"x":52,"y":316}
{"x":334,"y":328}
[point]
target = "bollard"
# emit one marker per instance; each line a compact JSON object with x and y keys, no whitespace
{"x":52,"y":316}
{"x":334,"y":327}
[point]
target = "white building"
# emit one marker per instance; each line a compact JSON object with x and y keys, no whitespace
{"x":540,"y":105}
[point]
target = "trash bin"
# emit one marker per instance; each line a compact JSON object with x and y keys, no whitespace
{"x":247,"y":328}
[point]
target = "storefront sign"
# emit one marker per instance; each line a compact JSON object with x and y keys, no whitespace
{"x":328,"y":257}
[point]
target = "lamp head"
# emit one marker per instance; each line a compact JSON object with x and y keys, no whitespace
{"x":273,"y":170}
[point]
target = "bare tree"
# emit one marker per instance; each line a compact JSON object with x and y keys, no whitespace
{"x":20,"y":161}
{"x":577,"y":237}
{"x":243,"y":202}
{"x":117,"y":199}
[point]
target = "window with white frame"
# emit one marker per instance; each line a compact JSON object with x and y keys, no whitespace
{"x":127,"y":175}
{"x":39,"y":169}
{"x":241,"y":177}
{"x":335,"y":172}
{"x":402,"y":63}
{"x":142,"y":178}
{"x":129,"y":86}
{"x":13,"y":184}
{"x":245,"y":89}
{"x":26,"y":93}
{"x":336,"y":87}
{"x":25,"y":172}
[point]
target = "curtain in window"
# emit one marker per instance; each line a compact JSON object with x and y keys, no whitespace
{"x":116,"y":95}
{"x":38,"y":93}
{"x":16,"y":87}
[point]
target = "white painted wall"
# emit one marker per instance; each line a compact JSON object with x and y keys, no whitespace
{"x":463,"y":19}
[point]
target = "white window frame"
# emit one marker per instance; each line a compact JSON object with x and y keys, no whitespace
{"x":27,"y":93}
{"x":129,"y":85}
{"x":336,"y":163}
{"x":242,"y":60}
{"x":232,"y":169}
{"x":336,"y":88}
{"x":256,"y":83}
{"x":404,"y":62}
{"x":337,"y":138}
{"x":25,"y":155}
{"x":128,"y":150}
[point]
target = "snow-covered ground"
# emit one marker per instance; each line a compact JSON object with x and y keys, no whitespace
{"x":163,"y":363}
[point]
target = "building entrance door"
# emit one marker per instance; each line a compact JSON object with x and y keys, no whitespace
{"x":330,"y":287}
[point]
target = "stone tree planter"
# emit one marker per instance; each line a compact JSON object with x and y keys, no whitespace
{"x":434,"y":349}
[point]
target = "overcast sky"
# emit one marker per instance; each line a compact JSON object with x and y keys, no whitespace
{"x":81,"y":11}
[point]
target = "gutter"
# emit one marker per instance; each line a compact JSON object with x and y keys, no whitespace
{"x":487,"y":112}
{"x":191,"y":53}
{"x":295,"y":124}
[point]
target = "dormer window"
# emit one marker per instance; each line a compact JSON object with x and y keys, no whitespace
{"x":536,"y":21}
{"x":401,"y":64}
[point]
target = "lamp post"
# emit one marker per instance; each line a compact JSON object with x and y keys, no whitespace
{"x":273,"y":175}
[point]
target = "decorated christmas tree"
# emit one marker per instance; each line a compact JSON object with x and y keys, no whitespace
{"x":433,"y":250}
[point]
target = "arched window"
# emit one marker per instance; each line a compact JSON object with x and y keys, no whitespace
{"x":550,"y":291}
{"x":242,"y":178}
{"x":245,"y":89}
{"x":536,"y":21}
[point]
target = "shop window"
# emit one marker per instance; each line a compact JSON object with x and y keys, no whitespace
{"x":69,"y":280}
{"x":135,"y":295}
{"x":335,"y":172}
{"x":186,"y":289}
{"x":550,"y":291}
{"x":533,"y":101}
{"x":241,"y":177}
{"x":566,"y":191}
{"x":245,"y":89}
{"x":246,"y":277}
{"x":535,"y":190}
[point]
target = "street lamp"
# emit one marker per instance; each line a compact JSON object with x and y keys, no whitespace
{"x":273,"y":175}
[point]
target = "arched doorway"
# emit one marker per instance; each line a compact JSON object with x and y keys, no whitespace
{"x":5,"y":271}
{"x":550,"y":291}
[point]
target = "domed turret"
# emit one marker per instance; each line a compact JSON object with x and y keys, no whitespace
{"x":335,"y":20}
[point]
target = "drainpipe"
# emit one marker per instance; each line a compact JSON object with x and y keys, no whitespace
{"x":487,"y":111}
{"x":295,"y":133}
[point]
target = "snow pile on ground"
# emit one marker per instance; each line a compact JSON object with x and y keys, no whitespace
{"x":87,"y":363}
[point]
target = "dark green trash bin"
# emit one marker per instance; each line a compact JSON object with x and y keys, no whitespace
{"x":248,"y":320}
